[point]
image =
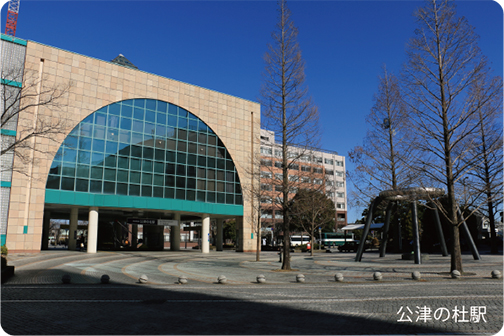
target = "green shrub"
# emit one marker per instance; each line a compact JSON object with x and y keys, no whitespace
{"x":5,"y":251}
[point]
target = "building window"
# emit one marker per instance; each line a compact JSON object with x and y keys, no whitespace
{"x":339,"y":163}
{"x":317,"y":170}
{"x":339,"y":173}
{"x":264,"y":138}
{"x":340,"y":205}
{"x":340,"y":194}
{"x":340,"y":184}
{"x":329,"y":172}
{"x":266,"y":163}
{"x":306,"y":168}
{"x":266,"y":151}
{"x":317,"y":181}
{"x":294,"y":167}
{"x":266,"y":187}
{"x":147,"y":148}
{"x":293,"y":178}
{"x":265,"y":174}
{"x":329,"y":161}
{"x":266,"y":200}
{"x":329,"y":183}
{"x":278,"y":164}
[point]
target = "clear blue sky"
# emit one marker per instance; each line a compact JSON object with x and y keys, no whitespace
{"x":219,"y":45}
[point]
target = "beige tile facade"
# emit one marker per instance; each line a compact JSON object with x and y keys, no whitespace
{"x":95,"y":84}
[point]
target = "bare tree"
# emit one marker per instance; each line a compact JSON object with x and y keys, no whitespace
{"x":444,"y":60}
{"x":288,"y":111}
{"x":382,"y":162}
{"x":32,"y":95}
{"x":486,"y":177}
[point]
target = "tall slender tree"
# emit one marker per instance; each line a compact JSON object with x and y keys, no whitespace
{"x":444,"y":60}
{"x":382,"y":162}
{"x":287,"y":109}
{"x":487,"y":155}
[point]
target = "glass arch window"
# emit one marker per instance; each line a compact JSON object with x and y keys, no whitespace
{"x":147,"y":148}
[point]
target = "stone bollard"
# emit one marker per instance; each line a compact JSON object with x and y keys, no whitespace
{"x":496,"y":274}
{"x":66,"y":279}
{"x":338,"y":277}
{"x":105,"y":279}
{"x":300,"y":278}
{"x":416,"y":275}
{"x":222,"y":279}
{"x":143,"y":279}
{"x":455,"y":274}
{"x":377,"y":276}
{"x":261,"y":278}
{"x":182,"y":280}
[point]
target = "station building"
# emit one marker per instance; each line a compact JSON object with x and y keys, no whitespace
{"x":130,"y":148}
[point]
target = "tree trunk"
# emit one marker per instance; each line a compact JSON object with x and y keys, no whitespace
{"x":456,"y":255}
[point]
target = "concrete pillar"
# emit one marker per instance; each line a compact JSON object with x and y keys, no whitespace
{"x":205,"y":234}
{"x":175,"y":234}
{"x":72,"y":231}
{"x":92,"y":236}
{"x":220,"y":234}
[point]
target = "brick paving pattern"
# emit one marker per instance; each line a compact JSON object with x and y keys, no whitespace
{"x":36,"y":302}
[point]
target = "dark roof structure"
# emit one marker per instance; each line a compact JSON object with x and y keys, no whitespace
{"x":121,"y":60}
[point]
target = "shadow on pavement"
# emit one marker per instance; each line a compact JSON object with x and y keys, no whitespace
{"x":140,"y":309}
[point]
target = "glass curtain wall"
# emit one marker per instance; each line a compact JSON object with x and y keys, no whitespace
{"x":148,"y":148}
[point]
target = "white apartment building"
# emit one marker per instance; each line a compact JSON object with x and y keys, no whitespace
{"x":313,"y":166}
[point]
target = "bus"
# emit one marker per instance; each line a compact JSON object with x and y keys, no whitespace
{"x":296,"y":240}
{"x":336,"y":238}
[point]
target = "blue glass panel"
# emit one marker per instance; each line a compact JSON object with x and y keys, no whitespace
{"x":139,"y":102}
{"x":125,"y":136}
{"x":110,"y":161}
{"x":84,"y":143}
{"x":113,"y":134}
{"x":172,"y":109}
{"x":100,"y":119}
{"x":161,"y":118}
{"x":138,"y":113}
{"x":84,"y":157}
{"x":82,"y":185}
{"x":146,"y":191}
{"x":122,"y":175}
{"x":111,"y":147}
{"x":158,"y":180}
{"x":97,"y":173}
{"x":150,"y":104}
{"x":161,"y":130}
{"x":193,"y":125}
{"x":55,"y":168}
{"x":95,"y":186}
{"x":71,"y":141}
{"x":136,"y":138}
{"x":99,"y":132}
{"x":69,"y":155}
{"x":135,"y":177}
{"x":129,"y":102}
{"x":53,"y":182}
{"x":86,"y":130}
{"x":114,"y":109}
{"x":67,"y":183}
{"x":123,"y":162}
{"x":82,"y":171}
{"x":108,"y":187}
{"x":150,"y":128}
{"x":182,"y":112}
{"x":122,"y":189}
{"x":134,"y":190}
{"x":98,"y":145}
{"x":172,"y":121}
{"x":126,"y":111}
{"x":182,"y":123}
{"x":124,"y":149}
{"x":138,"y":126}
{"x":135,"y":164}
{"x":68,"y":169}
{"x":110,"y":174}
{"x":97,"y":159}
{"x":146,"y":178}
{"x":150,"y":116}
{"x":147,"y":166}
{"x":162,"y":106}
{"x":113,"y":121}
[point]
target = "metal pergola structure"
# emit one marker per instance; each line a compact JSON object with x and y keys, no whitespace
{"x":411,"y":195}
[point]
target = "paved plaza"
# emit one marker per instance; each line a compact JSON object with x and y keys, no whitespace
{"x":35,"y":301}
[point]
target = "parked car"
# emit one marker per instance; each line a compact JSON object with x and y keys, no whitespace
{"x":349,"y":247}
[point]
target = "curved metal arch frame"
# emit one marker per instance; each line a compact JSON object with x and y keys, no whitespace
{"x":411,"y":195}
